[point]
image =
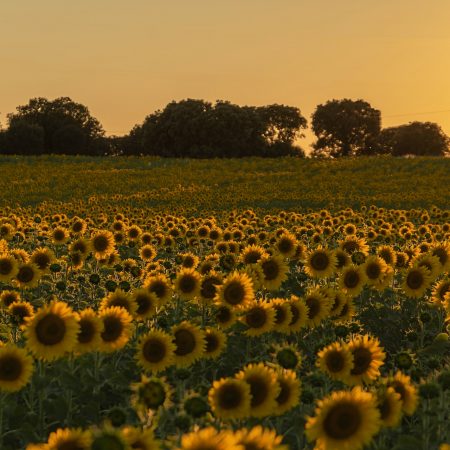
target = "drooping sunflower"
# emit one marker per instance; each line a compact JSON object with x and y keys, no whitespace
{"x":336,"y":360}
{"x":16,"y":368}
{"x":416,"y":281}
{"x":289,"y":394}
{"x":275,"y":271}
{"x":209,"y":439}
{"x":88,"y":338}
{"x":320,"y":263}
{"x":52,"y":331}
{"x":230,"y":398}
{"x":259,"y":317}
{"x":264,"y":388}
{"x":146,"y":303}
{"x":318,"y":307}
{"x":189,"y":343}
{"x":368,"y":357}
{"x":389,"y":403}
{"x":259,"y":438}
{"x":155,"y":351}
{"x":344,"y":420}
{"x":116,"y":328}
{"x":103,"y":244}
{"x":8,"y":267}
{"x":160,"y":286}
{"x":283,"y":315}
{"x":236,"y":290}
{"x":187,"y":284}
{"x":401,"y":383}
{"x":69,"y":439}
{"x":216,"y":341}
{"x":141,"y":439}
{"x":352,"y":280}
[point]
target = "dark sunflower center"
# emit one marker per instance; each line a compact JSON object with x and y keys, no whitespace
{"x":314,"y":307}
{"x":335,"y":361}
{"x":41,"y":260}
{"x":119,"y":301}
{"x":154,"y":350}
{"x":373,"y":271}
{"x":414,"y":280}
{"x":87,"y":331}
{"x":208,"y":289}
{"x":280,"y":315}
{"x":187,"y":284}
{"x":113,"y":329}
{"x":285,"y":245}
{"x":319,"y":261}
{"x":50,"y":330}
{"x":100,"y":243}
{"x":252,"y":257}
{"x":441,"y":254}
{"x":59,"y":235}
{"x":223,"y":315}
{"x":212,"y":343}
{"x":107,"y":443}
{"x":185,"y":342}
{"x":351,"y":279}
{"x":400,"y":389}
{"x":153,"y":394}
{"x":284,"y":394}
{"x":342,"y":421}
{"x":362,"y":357}
{"x":258,"y":390}
{"x":234,"y":293}
{"x":295,"y":315}
{"x":230,"y":396}
{"x":341,"y":260}
{"x":144,"y":303}
{"x":385,"y":409}
{"x":25,"y":274}
{"x":5,"y":266}
{"x":158,"y":288}
{"x":70,"y":444}
{"x":350,"y":246}
{"x":8,"y":299}
{"x":256,"y":318}
{"x":10,"y":368}
{"x":271,"y":270}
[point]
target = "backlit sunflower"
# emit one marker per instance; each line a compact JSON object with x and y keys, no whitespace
{"x":236,"y":290}
{"x":8,"y":267}
{"x":88,"y":338}
{"x":230,"y":398}
{"x":216,"y":342}
{"x":352,"y":280}
{"x":320,"y":263}
{"x":155,"y":351}
{"x":16,"y":368}
{"x":259,"y":317}
{"x":69,"y":439}
{"x":209,"y":439}
{"x":102,"y":244}
{"x":189,"y":343}
{"x":408,"y":392}
{"x":368,"y":357}
{"x":289,"y":394}
{"x":116,"y":328}
{"x":416,"y":281}
{"x":264,"y":388}
{"x":275,"y":271}
{"x":52,"y":331}
{"x":259,"y":438}
{"x":160,"y":286}
{"x":318,"y":307}
{"x":187,"y":284}
{"x":344,"y":420}
{"x":336,"y":360}
{"x":389,"y":403}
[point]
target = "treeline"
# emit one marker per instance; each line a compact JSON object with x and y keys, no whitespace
{"x":199,"y":129}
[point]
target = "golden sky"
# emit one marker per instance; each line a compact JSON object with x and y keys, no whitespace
{"x":126,"y":59}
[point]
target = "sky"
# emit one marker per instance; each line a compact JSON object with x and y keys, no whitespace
{"x":125,"y":60}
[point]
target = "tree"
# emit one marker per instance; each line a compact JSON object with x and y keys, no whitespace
{"x":415,"y":138}
{"x":24,"y":138}
{"x":345,"y":128}
{"x":68,"y":126}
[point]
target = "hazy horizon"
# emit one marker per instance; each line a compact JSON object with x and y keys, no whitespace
{"x":124,"y":62}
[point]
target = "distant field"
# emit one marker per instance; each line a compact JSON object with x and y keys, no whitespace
{"x":205,"y":185}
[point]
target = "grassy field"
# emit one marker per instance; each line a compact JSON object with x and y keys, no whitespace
{"x":251,"y":304}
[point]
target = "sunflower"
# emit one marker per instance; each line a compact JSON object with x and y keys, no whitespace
{"x":9,"y":267}
{"x":28,"y":276}
{"x":102,"y":244}
{"x":342,"y":259}
{"x":209,"y":439}
{"x":120,"y":299}
{"x":20,"y":311}
{"x":160,"y":286}
{"x":208,"y":286}
{"x":347,"y":312}
{"x":236,"y":290}
{"x":352,"y":244}
{"x":259,"y":318}
{"x":230,"y":398}
{"x":264,"y":388}
{"x":318,"y":307}
{"x":147,"y":252}
{"x":259,"y":438}
{"x":388,"y":254}
{"x":299,"y":311}
{"x":116,"y":328}
{"x":252,"y":254}
{"x":16,"y":368}
{"x":352,"y":280}
{"x":189,"y":343}
{"x":150,"y":394}
{"x":108,"y":438}
{"x":438,"y":295}
{"x":59,"y":236}
{"x":275,"y":271}
{"x":69,"y":439}
{"x":336,"y":360}
{"x":368,"y":357}
{"x":408,"y":392}
{"x":225,"y":316}
{"x":43,"y":257}
{"x":216,"y":342}
{"x":389,"y":403}
{"x":146,"y":303}
{"x":82,"y":246}
{"x":187,"y":284}
{"x":8,"y":297}
{"x":416,"y":281}
{"x":88,"y":338}
{"x":283,"y":315}
{"x":155,"y":351}
{"x":78,"y":226}
{"x":344,"y":420}
{"x":320,"y":263}
{"x":286,"y":245}
{"x":289,"y":394}
{"x":338,"y":300}
{"x":442,"y":252}
{"x":140,"y":439}
{"x":374,"y":268}
{"x":52,"y":331}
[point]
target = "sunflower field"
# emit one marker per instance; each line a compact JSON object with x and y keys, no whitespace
{"x":224,"y":305}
